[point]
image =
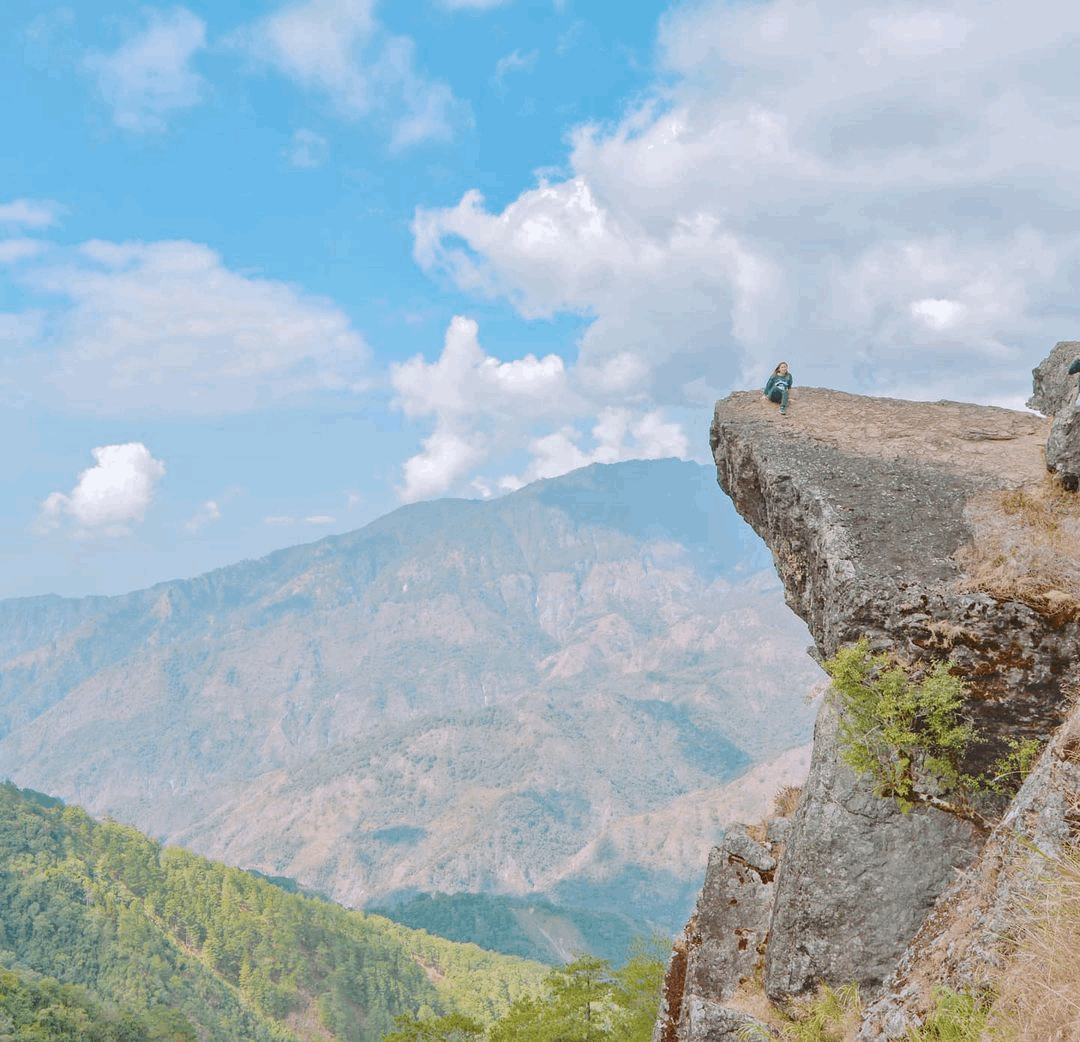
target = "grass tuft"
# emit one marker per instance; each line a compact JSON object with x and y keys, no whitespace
{"x":1039,"y":989}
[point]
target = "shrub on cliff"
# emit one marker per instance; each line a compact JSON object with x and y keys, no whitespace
{"x":909,"y":736}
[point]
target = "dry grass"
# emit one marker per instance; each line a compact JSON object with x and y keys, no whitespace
{"x":758,"y":831}
{"x":1026,"y":545}
{"x":1039,"y":991}
{"x":786,"y":800}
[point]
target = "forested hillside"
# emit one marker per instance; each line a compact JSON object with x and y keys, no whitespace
{"x":177,"y":947}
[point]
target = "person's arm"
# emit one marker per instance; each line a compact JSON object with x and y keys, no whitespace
{"x":769,"y":384}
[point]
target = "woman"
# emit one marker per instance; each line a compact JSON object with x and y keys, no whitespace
{"x":778,"y":385}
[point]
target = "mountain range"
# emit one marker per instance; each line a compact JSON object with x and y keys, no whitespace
{"x":555,"y":692}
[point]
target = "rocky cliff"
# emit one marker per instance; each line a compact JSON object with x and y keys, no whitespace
{"x":933,"y":530}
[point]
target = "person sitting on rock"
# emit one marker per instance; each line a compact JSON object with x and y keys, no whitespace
{"x":1075,"y":368}
{"x":778,"y":385}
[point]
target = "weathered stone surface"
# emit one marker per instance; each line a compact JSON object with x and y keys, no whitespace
{"x":1063,"y":448}
{"x":857,"y":877}
{"x":722,"y":945}
{"x":1052,"y":386}
{"x":707,"y":1021}
{"x":1056,"y":395}
{"x":959,"y":945}
{"x":865,"y":505}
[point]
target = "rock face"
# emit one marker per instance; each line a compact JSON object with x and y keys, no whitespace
{"x":958,"y":944}
{"x":722,"y":944}
{"x":1056,"y":395}
{"x":877,"y":513}
{"x":858,"y":877}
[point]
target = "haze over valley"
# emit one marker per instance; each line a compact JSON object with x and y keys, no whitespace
{"x":565,"y":692}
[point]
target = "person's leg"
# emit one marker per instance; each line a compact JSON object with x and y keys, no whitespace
{"x":783,"y":399}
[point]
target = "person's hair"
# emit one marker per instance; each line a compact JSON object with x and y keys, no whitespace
{"x":776,"y":371}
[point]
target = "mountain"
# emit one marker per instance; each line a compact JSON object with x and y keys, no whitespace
{"x":494,"y":696}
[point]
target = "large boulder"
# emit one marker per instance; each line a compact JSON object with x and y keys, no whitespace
{"x":1056,"y":395}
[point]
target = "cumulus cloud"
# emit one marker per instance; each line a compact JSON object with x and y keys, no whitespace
{"x":149,"y":77}
{"x":513,"y":62}
{"x":31,"y":212}
{"x":167,"y":327}
{"x":885,"y":196}
{"x":483,"y":408}
{"x":338,"y":48}
{"x":209,"y":513}
{"x":14,"y":250}
{"x":109,"y":498}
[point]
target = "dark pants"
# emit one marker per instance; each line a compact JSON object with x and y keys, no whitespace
{"x":779,"y":394}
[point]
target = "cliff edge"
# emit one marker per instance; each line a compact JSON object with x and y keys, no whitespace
{"x":934,"y":531}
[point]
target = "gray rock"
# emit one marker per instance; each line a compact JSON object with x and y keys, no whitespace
{"x":730,"y":926}
{"x":779,"y":829}
{"x":857,"y":877}
{"x":722,"y":946}
{"x":738,"y":843}
{"x":960,"y":944}
{"x":864,"y":504}
{"x":1053,"y":388}
{"x":1056,"y":395}
{"x":1063,"y":448}
{"x":707,"y":1021}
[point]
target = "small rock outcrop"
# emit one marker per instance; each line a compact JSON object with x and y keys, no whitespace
{"x":722,"y":946}
{"x":1056,"y":395}
{"x":904,"y":523}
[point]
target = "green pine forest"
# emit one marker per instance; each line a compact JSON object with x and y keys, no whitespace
{"x":106,"y":935}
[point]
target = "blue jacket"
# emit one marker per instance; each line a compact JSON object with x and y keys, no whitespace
{"x":1075,"y":367}
{"x":774,"y":382}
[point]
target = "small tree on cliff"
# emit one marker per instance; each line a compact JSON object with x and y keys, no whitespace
{"x":908,"y":736}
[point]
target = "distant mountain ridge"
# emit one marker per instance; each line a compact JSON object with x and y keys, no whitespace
{"x":462,"y":696}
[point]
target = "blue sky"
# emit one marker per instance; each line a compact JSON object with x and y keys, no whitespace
{"x":269,"y":270}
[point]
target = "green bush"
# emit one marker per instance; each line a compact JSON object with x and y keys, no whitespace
{"x":908,"y":736}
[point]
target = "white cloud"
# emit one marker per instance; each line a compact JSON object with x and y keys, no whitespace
{"x":149,"y":77}
{"x":515,"y":61}
{"x":319,"y":519}
{"x":308,"y":150}
{"x":472,"y":396}
{"x":14,"y":250}
{"x":109,"y":497}
{"x":617,"y":435}
{"x":470,"y":5}
{"x":787,"y":191}
{"x":484,"y":409}
{"x":35,"y":213}
{"x":167,"y":327}
{"x":339,"y":49}
{"x":209,"y":513}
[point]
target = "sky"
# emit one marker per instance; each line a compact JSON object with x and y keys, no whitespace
{"x":269,"y":270}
